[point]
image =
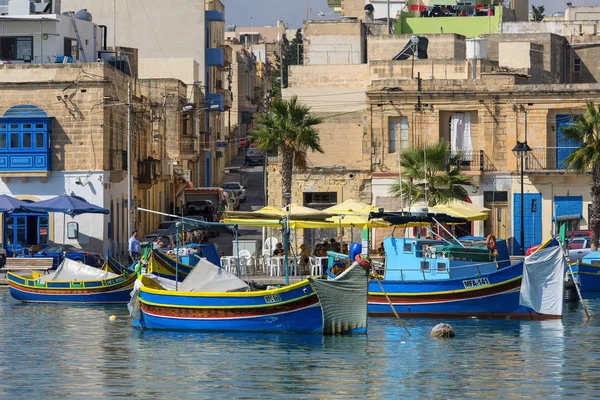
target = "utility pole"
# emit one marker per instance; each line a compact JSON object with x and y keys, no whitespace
{"x":129,"y":207}
{"x":389,"y":31}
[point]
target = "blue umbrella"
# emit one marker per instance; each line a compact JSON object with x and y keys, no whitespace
{"x":71,"y":205}
{"x":10,"y":204}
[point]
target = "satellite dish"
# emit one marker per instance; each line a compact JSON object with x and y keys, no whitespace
{"x":369,"y":8}
{"x":414,"y":39}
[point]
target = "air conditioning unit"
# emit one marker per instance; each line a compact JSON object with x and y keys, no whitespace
{"x":377,"y":160}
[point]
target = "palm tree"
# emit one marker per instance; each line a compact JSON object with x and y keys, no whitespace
{"x":445,"y":181}
{"x":585,"y":129}
{"x":289,"y":128}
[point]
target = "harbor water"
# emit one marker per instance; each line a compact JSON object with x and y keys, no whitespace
{"x":54,"y":351}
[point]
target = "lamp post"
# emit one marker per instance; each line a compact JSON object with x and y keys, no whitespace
{"x":520,"y":151}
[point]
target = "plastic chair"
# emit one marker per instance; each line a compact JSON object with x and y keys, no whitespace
{"x":274,"y":266}
{"x":269,"y":245}
{"x":316,"y":268}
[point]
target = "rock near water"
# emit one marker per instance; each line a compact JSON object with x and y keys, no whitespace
{"x":442,"y":331}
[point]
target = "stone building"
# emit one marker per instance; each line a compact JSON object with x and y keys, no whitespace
{"x":481,"y":104}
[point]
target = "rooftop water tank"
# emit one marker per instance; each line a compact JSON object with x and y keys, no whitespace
{"x":83,"y":15}
{"x":477,"y":48}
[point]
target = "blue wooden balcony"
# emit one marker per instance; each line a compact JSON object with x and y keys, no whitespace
{"x":215,"y":57}
{"x":25,"y":142}
{"x":214,"y":16}
{"x":217,"y":99}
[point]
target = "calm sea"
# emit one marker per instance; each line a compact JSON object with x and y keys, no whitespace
{"x":76,"y":352}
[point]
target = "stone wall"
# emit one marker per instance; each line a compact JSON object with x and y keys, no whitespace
{"x":334,"y":42}
{"x":440,"y":46}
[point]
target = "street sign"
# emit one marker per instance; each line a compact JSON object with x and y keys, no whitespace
{"x":221,"y":144}
{"x":243,"y":142}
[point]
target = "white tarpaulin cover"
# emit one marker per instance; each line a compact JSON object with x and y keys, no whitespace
{"x":460,"y":132}
{"x":71,"y":270}
{"x":207,"y":277}
{"x":134,"y":303}
{"x":542,"y":285}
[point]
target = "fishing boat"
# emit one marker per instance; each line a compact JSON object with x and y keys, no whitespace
{"x":433,"y":278}
{"x":211,"y":299}
{"x":74,"y":282}
{"x":586,"y":273}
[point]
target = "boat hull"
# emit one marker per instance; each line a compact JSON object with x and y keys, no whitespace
{"x":166,"y":267}
{"x":292,"y":309}
{"x":493,"y":295}
{"x":113,"y":291}
{"x":588,"y":277}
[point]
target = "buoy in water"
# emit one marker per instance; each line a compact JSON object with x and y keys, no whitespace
{"x":112,"y":318}
{"x":570,"y":293}
{"x":442,"y":331}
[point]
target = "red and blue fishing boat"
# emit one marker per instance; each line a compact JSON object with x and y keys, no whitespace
{"x":472,"y":277}
{"x":211,"y":299}
{"x":76,"y":283}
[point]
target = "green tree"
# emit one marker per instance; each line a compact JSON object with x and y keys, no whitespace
{"x":538,"y":13}
{"x":445,"y":181}
{"x":290,"y":129}
{"x":585,"y":129}
{"x":293,"y":54}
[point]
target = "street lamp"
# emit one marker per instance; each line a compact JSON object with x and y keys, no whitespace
{"x":520,"y":151}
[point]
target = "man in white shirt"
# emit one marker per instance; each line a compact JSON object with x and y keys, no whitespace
{"x":134,"y":248}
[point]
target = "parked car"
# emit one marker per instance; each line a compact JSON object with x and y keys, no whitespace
{"x":233,"y":199}
{"x":237,"y":188}
{"x":254,"y":157}
{"x":59,"y":251}
{"x":579,"y":248}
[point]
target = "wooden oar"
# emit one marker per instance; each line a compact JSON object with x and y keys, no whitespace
{"x":391,"y":305}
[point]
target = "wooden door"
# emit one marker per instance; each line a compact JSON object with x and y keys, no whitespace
{"x":497,"y":223}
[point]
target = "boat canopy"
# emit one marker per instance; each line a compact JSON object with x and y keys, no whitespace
{"x":405,"y":218}
{"x":207,"y":277}
{"x":71,"y":270}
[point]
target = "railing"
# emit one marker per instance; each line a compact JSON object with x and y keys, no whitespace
{"x":188,"y":144}
{"x":148,"y":171}
{"x":474,"y":161}
{"x":548,"y":158}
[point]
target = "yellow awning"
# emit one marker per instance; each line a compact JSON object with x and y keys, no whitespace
{"x":463,"y":209}
{"x":351,"y":207}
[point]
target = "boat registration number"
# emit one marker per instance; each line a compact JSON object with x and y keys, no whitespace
{"x":473,"y":283}
{"x":272,"y":298}
{"x":115,"y":280}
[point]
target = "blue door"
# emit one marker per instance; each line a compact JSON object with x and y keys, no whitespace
{"x":564,"y":147}
{"x":532,"y":220}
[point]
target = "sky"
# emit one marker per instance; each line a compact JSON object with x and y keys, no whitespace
{"x":244,"y":13}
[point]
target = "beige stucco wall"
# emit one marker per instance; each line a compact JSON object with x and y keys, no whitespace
{"x":334,"y":42}
{"x":440,"y":46}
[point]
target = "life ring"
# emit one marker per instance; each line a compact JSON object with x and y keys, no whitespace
{"x":490,"y":243}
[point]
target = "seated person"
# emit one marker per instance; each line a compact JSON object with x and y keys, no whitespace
{"x":317,"y":251}
{"x":345,"y":248}
{"x":380,"y":250}
{"x":278,"y":250}
{"x":304,"y":257}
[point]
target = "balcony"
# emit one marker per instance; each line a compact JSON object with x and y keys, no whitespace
{"x":118,"y":160}
{"x":227,"y":56}
{"x":213,"y":99}
{"x":149,"y":171}
{"x":215,"y":57}
{"x":188,"y":147}
{"x":214,"y":16}
{"x":475,"y":161}
{"x":548,"y":158}
{"x":227,"y":98}
{"x":25,"y":147}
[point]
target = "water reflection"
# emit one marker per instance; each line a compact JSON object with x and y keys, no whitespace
{"x":76,"y":352}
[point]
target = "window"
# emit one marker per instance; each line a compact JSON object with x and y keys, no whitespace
{"x":3,"y":141}
{"x":26,"y":140}
{"x":577,"y":64}
{"x":185,"y":125}
{"x":425,"y":265}
{"x":495,"y":197}
{"x":403,"y":133}
{"x":14,"y":140}
{"x":393,"y":128}
{"x":71,"y":48}
{"x":441,"y":267}
{"x":407,"y":248}
{"x":39,"y":141}
{"x":16,"y":48}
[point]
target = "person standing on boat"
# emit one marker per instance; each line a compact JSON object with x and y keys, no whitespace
{"x":134,"y":248}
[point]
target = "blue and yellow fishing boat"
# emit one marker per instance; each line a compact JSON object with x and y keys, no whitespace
{"x":76,"y":283}
{"x":211,"y":299}
{"x":586,"y":273}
